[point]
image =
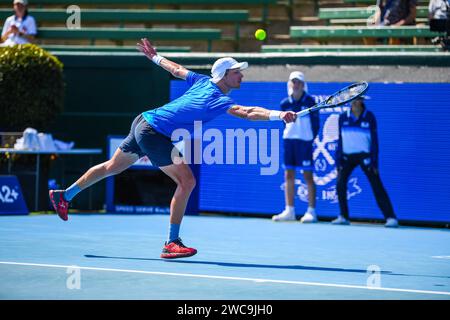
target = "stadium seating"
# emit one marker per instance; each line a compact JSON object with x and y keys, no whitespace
{"x":151,"y":3}
{"x":103,"y":48}
{"x":351,"y":32}
{"x":372,"y":2}
{"x":138,"y":17}
{"x":348,"y":48}
{"x":356,"y":14}
{"x":119,"y":34}
{"x":123,"y":16}
{"x":127,"y":15}
{"x":110,"y":25}
{"x":341,"y":26}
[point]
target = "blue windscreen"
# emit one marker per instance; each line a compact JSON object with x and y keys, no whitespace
{"x":413,"y":131}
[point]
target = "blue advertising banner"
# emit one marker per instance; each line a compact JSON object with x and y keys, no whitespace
{"x":414,"y":154}
{"x":11,"y":197}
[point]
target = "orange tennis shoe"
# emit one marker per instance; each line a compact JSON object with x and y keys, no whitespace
{"x":176,"y":249}
{"x":60,"y":205}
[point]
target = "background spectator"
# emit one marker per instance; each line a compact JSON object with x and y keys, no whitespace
{"x":397,"y":12}
{"x":19,"y":28}
{"x":298,"y":140}
{"x":358,"y":146}
{"x":437,"y":9}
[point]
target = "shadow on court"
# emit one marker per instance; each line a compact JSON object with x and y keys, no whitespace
{"x":241,"y":265}
{"x":270,"y":266}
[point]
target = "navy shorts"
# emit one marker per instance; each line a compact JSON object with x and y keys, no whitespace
{"x":143,"y":140}
{"x":298,"y":154}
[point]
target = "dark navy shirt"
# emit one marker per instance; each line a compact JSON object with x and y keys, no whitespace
{"x":357,"y":135}
{"x":392,"y":11}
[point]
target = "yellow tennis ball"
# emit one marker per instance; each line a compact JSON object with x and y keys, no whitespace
{"x":260,"y":34}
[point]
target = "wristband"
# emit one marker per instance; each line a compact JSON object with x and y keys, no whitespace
{"x":274,"y":115}
{"x":157,"y":59}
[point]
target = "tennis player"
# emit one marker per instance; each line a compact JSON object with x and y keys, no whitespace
{"x":151,"y":131}
{"x":358,"y":146}
{"x":298,"y":140}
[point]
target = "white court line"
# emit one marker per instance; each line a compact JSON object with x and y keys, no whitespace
{"x":441,"y":257}
{"x":317,"y":284}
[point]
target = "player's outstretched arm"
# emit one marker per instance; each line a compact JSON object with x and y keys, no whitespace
{"x":149,"y":51}
{"x":258,"y":113}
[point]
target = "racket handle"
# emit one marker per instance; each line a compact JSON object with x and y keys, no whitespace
{"x":303,"y":112}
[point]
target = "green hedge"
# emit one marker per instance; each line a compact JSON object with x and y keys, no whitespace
{"x":31,"y":88}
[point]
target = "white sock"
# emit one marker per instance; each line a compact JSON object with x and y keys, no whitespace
{"x":290,"y":209}
{"x":311,"y":210}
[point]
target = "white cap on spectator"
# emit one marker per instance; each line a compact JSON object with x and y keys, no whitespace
{"x":221,"y":66}
{"x":24,"y":2}
{"x":297,"y":75}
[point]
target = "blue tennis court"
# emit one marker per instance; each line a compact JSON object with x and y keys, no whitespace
{"x":104,"y":256}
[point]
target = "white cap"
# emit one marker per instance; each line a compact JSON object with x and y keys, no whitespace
{"x":222,"y":65}
{"x":24,"y":2}
{"x":297,"y":75}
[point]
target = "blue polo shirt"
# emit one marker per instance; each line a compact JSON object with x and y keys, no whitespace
{"x":203,"y":101}
{"x":358,"y":135}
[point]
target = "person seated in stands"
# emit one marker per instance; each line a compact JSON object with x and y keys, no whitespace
{"x":397,"y":12}
{"x":394,"y":13}
{"x":438,"y":9}
{"x":19,"y":28}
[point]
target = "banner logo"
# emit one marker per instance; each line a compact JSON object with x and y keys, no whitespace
{"x":11,"y":197}
{"x":8,"y":195}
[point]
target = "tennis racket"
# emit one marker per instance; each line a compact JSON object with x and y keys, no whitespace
{"x":343,"y":96}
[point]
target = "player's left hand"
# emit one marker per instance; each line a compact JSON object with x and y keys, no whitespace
{"x":288,"y":116}
{"x":147,"y":48}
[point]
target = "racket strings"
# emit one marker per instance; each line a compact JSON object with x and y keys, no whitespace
{"x":346,"y":94}
{"x":331,"y":128}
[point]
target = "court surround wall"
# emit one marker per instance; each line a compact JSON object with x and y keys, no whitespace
{"x":104,"y":92}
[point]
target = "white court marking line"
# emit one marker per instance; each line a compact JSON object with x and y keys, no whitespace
{"x":317,"y":284}
{"x":441,"y":257}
